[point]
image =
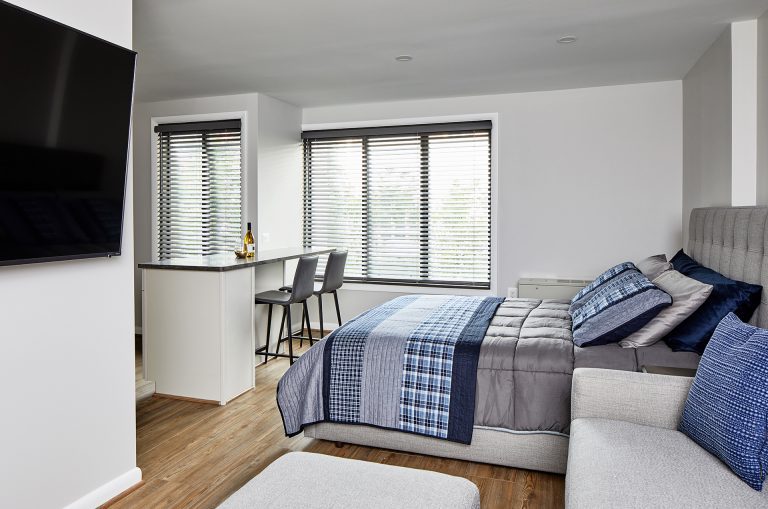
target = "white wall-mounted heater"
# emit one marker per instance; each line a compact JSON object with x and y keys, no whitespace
{"x":536,"y":288}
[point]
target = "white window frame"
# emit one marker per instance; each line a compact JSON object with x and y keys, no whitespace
{"x":201,"y":117}
{"x":416,"y":289}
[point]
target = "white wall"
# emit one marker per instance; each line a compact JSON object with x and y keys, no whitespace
{"x":271,"y":168}
{"x":744,"y":112}
{"x":279,"y":174}
{"x":725,"y":97}
{"x":707,"y":122}
{"x":143,"y":177}
{"x":762,"y":109}
{"x":586,"y":178}
{"x":67,"y":434}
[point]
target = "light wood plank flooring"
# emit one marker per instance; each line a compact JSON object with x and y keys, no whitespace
{"x":194,"y":455}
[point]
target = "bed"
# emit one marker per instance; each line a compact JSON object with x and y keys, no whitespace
{"x":525,"y":360}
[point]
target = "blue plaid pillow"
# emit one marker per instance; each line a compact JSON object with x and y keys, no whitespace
{"x":580,"y":298}
{"x":617,"y":308}
{"x":727,"y":408}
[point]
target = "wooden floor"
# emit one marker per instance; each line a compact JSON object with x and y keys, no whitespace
{"x":194,"y":455}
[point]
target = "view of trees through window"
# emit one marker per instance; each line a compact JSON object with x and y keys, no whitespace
{"x":199,"y":179}
{"x":411,"y":208}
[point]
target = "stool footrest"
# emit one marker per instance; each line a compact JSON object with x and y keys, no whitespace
{"x":275,"y":354}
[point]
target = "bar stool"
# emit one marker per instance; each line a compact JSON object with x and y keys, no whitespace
{"x":303,"y":282}
{"x":333,"y":279}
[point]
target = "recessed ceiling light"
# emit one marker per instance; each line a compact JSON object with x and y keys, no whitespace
{"x":404,"y":58}
{"x":568,"y":39}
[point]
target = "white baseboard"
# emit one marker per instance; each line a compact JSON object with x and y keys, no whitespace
{"x":108,"y":491}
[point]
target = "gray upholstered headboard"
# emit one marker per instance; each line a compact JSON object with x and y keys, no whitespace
{"x":734,"y":242}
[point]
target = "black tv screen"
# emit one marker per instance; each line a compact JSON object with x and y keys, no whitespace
{"x":65,"y":110}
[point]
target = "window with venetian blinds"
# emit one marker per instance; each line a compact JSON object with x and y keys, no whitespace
{"x":199,"y":178}
{"x":412,"y":204}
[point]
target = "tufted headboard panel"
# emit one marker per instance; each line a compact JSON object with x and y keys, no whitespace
{"x":734,"y":242}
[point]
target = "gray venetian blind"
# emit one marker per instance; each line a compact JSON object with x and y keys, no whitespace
{"x":199,"y":176}
{"x":410,"y":203}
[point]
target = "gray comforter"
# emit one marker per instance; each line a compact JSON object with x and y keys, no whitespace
{"x":524,"y":370}
{"x":527,"y":359}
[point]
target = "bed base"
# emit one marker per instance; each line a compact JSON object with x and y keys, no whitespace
{"x":547,"y":452}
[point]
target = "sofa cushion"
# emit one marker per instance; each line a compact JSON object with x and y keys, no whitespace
{"x":622,"y":465}
{"x":307,"y":480}
{"x":727,"y":407}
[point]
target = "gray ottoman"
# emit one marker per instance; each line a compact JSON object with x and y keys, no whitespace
{"x":306,"y":480}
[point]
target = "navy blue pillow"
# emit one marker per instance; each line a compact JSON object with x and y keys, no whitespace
{"x":727,"y":405}
{"x":727,"y":296}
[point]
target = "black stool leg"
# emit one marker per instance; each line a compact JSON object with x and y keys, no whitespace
{"x":338,"y":312}
{"x":269,"y":329}
{"x":301,"y":334}
{"x":309,"y":328}
{"x":320,"y":308}
{"x":290,"y":333}
{"x":280,"y":337}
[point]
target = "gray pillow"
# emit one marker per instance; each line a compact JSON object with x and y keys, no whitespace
{"x":653,"y":266}
{"x":687,"y":296}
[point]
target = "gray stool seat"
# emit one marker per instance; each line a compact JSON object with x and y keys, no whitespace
{"x":303,"y":282}
{"x":333,"y":279}
{"x":314,"y":481}
{"x":272,"y":297}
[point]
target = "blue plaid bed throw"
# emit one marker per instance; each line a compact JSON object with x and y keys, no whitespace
{"x":409,"y":365}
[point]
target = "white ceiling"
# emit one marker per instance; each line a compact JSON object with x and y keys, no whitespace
{"x":318,"y":52}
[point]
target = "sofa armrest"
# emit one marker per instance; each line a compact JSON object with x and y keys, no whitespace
{"x":640,"y":398}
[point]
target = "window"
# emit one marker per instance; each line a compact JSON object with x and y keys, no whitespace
{"x":410,"y":203}
{"x":199,"y":178}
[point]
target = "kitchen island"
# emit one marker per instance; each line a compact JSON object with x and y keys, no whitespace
{"x":200,"y":326}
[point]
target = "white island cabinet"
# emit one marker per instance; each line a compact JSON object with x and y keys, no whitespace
{"x":200,"y":325}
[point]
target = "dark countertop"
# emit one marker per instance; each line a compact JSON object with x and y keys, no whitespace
{"x":224,"y":262}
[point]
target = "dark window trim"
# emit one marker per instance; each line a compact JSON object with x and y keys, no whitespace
{"x":448,"y":127}
{"x":410,"y":282}
{"x":419,"y":129}
{"x":212,"y":125}
{"x":205,"y":129}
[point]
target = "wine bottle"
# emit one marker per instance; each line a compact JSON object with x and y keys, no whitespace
{"x":249,"y":245}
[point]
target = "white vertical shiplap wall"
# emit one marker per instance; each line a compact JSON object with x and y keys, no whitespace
{"x":68,"y":431}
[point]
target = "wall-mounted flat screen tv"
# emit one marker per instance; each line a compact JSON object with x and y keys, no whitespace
{"x":65,"y":111}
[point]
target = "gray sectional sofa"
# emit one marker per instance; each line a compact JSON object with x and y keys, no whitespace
{"x":625,"y":450}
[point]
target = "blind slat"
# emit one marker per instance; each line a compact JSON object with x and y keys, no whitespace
{"x":199,"y":181}
{"x":411,"y":207}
